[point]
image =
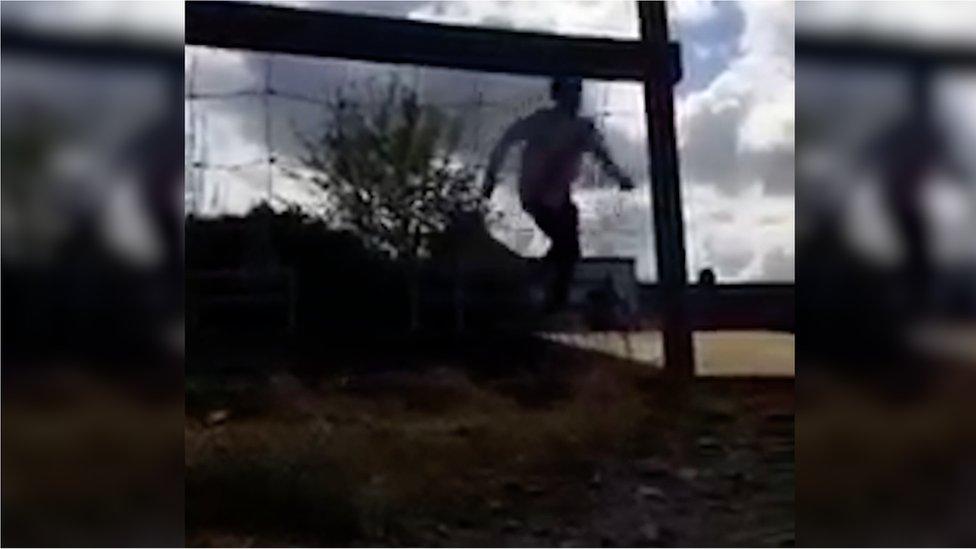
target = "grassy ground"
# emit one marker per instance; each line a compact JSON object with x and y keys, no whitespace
{"x":888,"y":458}
{"x":527,"y":443}
{"x":89,"y":459}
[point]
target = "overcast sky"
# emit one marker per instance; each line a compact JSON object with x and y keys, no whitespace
{"x":735,"y":109}
{"x":735,"y":121}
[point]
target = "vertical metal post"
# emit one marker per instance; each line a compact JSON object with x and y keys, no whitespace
{"x":659,"y":80}
{"x":268,"y":121}
{"x":921,"y":79}
{"x":192,"y":185}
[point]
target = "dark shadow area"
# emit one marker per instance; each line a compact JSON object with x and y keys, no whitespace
{"x":287,"y":279}
{"x":887,"y":313}
{"x":448,"y":435}
{"x":510,"y":442}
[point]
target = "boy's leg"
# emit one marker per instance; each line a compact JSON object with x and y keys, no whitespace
{"x":544,"y":220}
{"x":562,"y":228}
{"x":565,"y":253}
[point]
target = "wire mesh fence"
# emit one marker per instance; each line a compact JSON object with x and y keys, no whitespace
{"x":275,"y":103}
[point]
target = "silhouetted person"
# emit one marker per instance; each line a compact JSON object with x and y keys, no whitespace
{"x":910,"y":154}
{"x":706,"y":278}
{"x":555,"y":140}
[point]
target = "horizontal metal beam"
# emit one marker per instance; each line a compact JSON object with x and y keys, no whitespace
{"x":103,"y":51}
{"x":858,"y":50}
{"x":275,"y":29}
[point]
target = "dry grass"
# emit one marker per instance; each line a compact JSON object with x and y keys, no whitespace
{"x":90,"y":461}
{"x":392,"y":457}
{"x":889,"y":469}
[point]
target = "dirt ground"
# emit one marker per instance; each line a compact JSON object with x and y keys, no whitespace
{"x":487,"y":443}
{"x":889,"y":455}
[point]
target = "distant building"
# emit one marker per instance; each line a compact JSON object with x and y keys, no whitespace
{"x":600,"y":274}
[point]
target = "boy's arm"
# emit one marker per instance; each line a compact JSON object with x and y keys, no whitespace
{"x":599,"y":148}
{"x":512,"y":135}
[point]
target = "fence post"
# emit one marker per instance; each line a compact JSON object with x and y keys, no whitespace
{"x":660,"y":75}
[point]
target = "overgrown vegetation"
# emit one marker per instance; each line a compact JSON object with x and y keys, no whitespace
{"x":392,"y":172}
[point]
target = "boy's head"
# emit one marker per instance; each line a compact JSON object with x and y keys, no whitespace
{"x":567,"y":92}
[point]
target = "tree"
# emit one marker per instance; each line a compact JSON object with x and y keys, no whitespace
{"x":393,"y":176}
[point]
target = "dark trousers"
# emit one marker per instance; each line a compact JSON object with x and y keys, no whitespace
{"x":561,"y":225}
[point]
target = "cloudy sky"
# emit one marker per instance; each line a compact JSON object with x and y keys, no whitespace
{"x":735,"y":122}
{"x":734,"y":108}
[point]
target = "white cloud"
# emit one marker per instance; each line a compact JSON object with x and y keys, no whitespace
{"x":928,"y":22}
{"x":768,"y":127}
{"x":609,"y":19}
{"x":736,"y":133}
{"x":736,"y":144}
{"x":729,"y":254}
{"x":691,"y":12}
{"x":719,"y":227}
{"x":779,"y":265}
{"x":153,"y":19}
{"x":739,"y":129}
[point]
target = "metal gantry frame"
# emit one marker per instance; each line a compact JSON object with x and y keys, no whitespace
{"x":652,"y":60}
{"x":920,"y":63}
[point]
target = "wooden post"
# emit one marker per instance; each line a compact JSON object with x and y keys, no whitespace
{"x":660,"y":75}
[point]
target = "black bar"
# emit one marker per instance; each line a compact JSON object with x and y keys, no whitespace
{"x":769,"y":307}
{"x":679,"y":360}
{"x":275,"y":29}
{"x":100,"y":50}
{"x":851,"y":50}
